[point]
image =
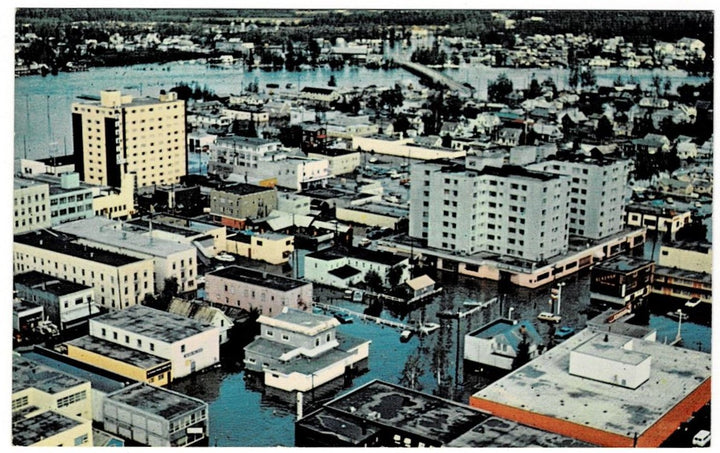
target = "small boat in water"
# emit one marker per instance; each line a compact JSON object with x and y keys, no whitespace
{"x":405,"y":336}
{"x":677,"y":315}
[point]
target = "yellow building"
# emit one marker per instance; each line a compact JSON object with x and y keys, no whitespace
{"x":49,"y":407}
{"x":689,"y":256}
{"x":119,"y":280}
{"x":116,"y":203}
{"x":130,"y":363}
{"x":273,"y":248}
{"x":117,"y":134}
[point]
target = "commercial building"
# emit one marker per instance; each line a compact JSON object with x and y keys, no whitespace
{"x":69,"y":200}
{"x":689,"y":256}
{"x":170,"y":259}
{"x":343,"y":268}
{"x":505,"y":211}
{"x":208,"y":238}
{"x":380,"y":414}
{"x":605,"y":389}
{"x":235,"y":154}
{"x":246,"y":288}
{"x":190,"y":346}
{"x":49,"y":407}
{"x":404,"y":147}
{"x":120,"y":360}
{"x":54,"y":165}
{"x":298,"y":351}
{"x":156,"y":417}
{"x":26,"y":317}
{"x":382,"y":215}
{"x":659,"y":217}
{"x":119,"y":280}
{"x":66,"y":304}
{"x":621,"y":280}
{"x":291,"y":172}
{"x":116,"y":135}
{"x":273,"y":248}
{"x":232,"y":205}
{"x":597,"y":193}
{"x":31,"y":204}
{"x":502,"y":343}
{"x":341,"y":161}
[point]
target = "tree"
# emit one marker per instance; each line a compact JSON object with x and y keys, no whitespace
{"x":394,"y":275}
{"x":411,"y":373}
{"x":604,"y":129}
{"x":373,"y":281}
{"x":500,"y":89}
{"x":574,"y":77}
{"x":693,"y":231}
{"x":534,"y":91}
{"x":523,"y":351}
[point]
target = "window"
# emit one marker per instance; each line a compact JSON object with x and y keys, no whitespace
{"x":152,"y":346}
{"x":182,"y":348}
{"x":70,"y":399}
{"x":17,"y":403}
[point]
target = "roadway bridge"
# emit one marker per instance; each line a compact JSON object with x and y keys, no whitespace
{"x":436,"y":77}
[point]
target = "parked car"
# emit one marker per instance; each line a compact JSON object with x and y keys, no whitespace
{"x":549,"y":317}
{"x":564,"y":332}
{"x":701,"y":439}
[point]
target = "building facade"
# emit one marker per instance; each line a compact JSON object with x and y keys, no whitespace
{"x":621,"y":280}
{"x":117,"y":134}
{"x":170,"y":259}
{"x":31,"y":204}
{"x":190,"y":346}
{"x":234,"y":204}
{"x":247,"y":288}
{"x":155,"y":417}
{"x":597,"y":193}
{"x":65,"y":303}
{"x":119,"y":280}
{"x":508,"y":211}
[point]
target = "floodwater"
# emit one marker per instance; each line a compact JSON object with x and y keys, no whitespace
{"x":241,"y":414}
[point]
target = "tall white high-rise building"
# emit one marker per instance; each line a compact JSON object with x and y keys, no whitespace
{"x":597,"y":193}
{"x":509,"y":211}
{"x":117,"y":134}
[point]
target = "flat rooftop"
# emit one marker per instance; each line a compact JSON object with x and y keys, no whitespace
{"x":375,"y":256}
{"x":244,"y":189}
{"x":684,"y":274}
{"x":48,"y":283}
{"x":102,"y":382}
{"x":379,"y":405}
{"x":20,"y":306}
{"x":106,"y":232}
{"x":156,"y":324}
{"x":156,"y":400}
{"x":258,"y":278}
{"x":118,"y":352}
{"x":544,"y":386}
{"x":623,"y":263}
{"x":501,"y":433}
{"x":303,"y":322}
{"x":65,"y":245}
{"x":28,"y":431}
{"x":382,"y":209}
{"x":30,"y":374}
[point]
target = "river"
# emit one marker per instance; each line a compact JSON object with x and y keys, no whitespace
{"x":43,"y":104}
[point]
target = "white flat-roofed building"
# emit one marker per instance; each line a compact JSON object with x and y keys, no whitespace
{"x":639,"y":391}
{"x":690,"y":256}
{"x":497,"y":344}
{"x":299,"y":351}
{"x":119,"y":280}
{"x":65,"y":303}
{"x":170,"y":259}
{"x":342,"y":161}
{"x":208,"y":238}
{"x":241,"y":152}
{"x":189,"y":345}
{"x":247,"y":288}
{"x":292,"y":172}
{"x":597,"y":193}
{"x":663,"y":218}
{"x":343,"y":268}
{"x":507,"y":211}
{"x":31,"y":202}
{"x":155,"y":416}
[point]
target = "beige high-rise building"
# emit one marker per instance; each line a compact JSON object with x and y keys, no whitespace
{"x":118,"y":135}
